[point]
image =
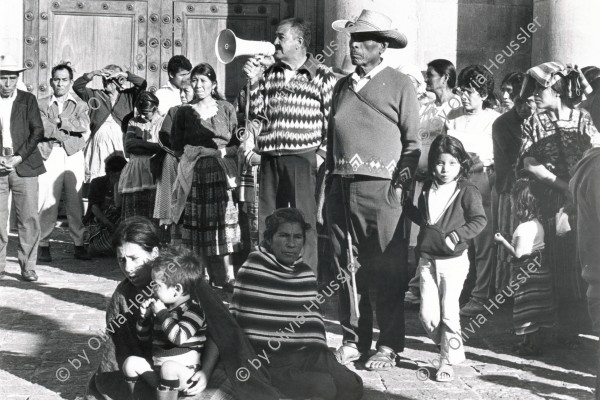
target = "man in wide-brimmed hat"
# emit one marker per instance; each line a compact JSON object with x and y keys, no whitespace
{"x":21,"y":129}
{"x":372,"y":152}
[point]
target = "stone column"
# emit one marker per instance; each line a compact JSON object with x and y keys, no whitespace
{"x":568,"y":32}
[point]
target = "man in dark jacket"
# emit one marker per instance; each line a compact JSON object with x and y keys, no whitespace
{"x":21,"y":129}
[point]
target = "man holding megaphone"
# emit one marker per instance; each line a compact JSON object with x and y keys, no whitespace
{"x":290,"y":97}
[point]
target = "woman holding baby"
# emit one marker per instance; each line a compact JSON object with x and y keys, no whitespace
{"x":200,"y":350}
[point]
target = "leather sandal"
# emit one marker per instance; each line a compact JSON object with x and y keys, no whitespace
{"x":385,"y":356}
{"x":347,"y":353}
{"x":445,"y":373}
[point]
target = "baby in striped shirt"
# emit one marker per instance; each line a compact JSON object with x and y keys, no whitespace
{"x":174,"y":324}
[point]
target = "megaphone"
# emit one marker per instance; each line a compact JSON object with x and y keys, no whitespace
{"x":228,"y":47}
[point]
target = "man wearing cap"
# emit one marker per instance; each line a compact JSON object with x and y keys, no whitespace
{"x":67,"y":129}
{"x":21,"y":129}
{"x":372,"y":152}
{"x":291,"y":101}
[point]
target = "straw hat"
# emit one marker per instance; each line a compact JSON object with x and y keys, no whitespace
{"x":373,"y":22}
{"x":9,"y":64}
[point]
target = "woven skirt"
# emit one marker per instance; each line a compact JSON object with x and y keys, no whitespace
{"x":534,"y":300}
{"x":506,"y":226}
{"x":99,"y":237}
{"x":164,"y":190}
{"x":211,"y":218}
{"x":138,"y":204}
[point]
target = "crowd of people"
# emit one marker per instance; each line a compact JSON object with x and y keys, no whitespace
{"x":479,"y":182}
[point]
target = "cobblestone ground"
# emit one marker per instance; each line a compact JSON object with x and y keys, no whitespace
{"x":49,"y":343}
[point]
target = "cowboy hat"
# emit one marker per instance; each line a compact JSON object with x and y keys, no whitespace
{"x":9,"y":64}
{"x":373,"y":22}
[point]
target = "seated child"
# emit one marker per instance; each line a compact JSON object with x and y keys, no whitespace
{"x":534,"y":307}
{"x":174,"y":324}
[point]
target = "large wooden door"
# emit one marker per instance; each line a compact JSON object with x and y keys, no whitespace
{"x":198,"y":24}
{"x":88,"y":34}
{"x":141,"y":35}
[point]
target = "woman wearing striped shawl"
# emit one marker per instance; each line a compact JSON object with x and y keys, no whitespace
{"x":276,"y":303}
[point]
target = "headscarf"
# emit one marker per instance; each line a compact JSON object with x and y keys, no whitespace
{"x":547,"y":74}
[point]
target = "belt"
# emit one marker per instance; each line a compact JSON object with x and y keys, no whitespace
{"x":7,"y":151}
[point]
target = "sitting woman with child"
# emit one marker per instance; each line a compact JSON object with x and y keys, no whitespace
{"x":215,"y":342}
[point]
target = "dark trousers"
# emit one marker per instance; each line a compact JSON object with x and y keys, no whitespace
{"x":381,"y":247}
{"x":313,"y":373}
{"x":290,"y":181}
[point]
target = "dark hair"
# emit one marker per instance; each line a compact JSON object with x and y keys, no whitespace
{"x":178,"y":63}
{"x":113,"y":67}
{"x":444,"y":67}
{"x":592,"y":75}
{"x":137,"y":230}
{"x":562,"y":88}
{"x":450,"y":145}
{"x":146,"y":100}
{"x":208,"y":71}
{"x":302,"y":28}
{"x":281,"y":216}
{"x":526,"y":205}
{"x":60,"y":67}
{"x":478,"y":78}
{"x":177,"y":266}
{"x":514,"y":79}
{"x":492,"y":101}
{"x":114,"y":163}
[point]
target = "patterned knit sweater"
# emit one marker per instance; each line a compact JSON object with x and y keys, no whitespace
{"x":294,"y":115}
{"x":176,"y":331}
{"x":277,"y":306}
{"x":362,"y":141}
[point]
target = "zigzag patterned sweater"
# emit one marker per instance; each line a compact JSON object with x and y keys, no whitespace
{"x":277,"y":306}
{"x":294,"y":116}
{"x":361,"y":141}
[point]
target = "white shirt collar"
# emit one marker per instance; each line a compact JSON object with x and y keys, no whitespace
{"x":170,"y":86}
{"x":69,"y":98}
{"x":370,"y":74}
{"x":11,"y":98}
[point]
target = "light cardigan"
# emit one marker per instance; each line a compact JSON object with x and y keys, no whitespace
{"x":276,"y":305}
{"x":362,"y":142}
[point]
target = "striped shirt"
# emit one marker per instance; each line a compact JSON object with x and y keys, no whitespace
{"x":176,"y":331}
{"x":277,"y":306}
